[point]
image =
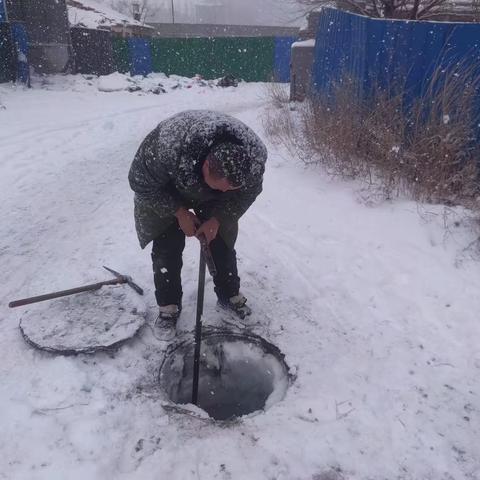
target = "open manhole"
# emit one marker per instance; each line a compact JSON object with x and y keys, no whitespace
{"x":239,"y":374}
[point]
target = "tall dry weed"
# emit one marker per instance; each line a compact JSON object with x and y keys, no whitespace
{"x":428,"y":150}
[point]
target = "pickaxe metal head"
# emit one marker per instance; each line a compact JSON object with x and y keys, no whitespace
{"x":126,"y":279}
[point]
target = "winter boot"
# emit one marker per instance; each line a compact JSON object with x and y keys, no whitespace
{"x":168,"y":315}
{"x":237,"y":304}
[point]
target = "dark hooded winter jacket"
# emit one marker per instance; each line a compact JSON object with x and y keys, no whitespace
{"x":166,"y":173}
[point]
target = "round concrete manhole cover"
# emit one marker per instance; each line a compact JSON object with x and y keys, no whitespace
{"x":84,"y":323}
{"x":239,"y":374}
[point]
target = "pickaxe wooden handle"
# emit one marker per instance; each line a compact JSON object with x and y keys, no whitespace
{"x":72,"y":291}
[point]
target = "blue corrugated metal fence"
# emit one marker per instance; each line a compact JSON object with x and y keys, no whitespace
{"x":382,"y":53}
{"x":3,"y":13}
{"x":283,"y":55}
{"x":20,"y":39}
{"x":141,"y":56}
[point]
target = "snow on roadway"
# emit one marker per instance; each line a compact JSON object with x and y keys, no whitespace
{"x":375,"y":307}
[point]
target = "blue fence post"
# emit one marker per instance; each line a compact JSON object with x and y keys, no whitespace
{"x":140,"y":56}
{"x":283,"y":58}
{"x":20,"y":40}
{"x":3,"y":12}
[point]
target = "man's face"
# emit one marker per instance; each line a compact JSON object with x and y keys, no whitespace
{"x":214,"y":182}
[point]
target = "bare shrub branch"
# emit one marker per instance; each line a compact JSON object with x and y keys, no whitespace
{"x":406,"y":9}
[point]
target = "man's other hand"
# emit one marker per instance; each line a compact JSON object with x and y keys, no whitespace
{"x":209,"y":229}
{"x":188,"y":221}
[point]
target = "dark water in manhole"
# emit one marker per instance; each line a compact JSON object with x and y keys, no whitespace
{"x":238,"y":375}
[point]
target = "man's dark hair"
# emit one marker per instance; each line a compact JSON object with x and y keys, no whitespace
{"x":231,"y":161}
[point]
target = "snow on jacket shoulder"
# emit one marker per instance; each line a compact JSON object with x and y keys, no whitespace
{"x":166,"y":171}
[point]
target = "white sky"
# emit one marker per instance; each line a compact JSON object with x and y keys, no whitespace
{"x":250,"y":12}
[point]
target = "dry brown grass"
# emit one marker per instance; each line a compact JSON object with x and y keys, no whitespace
{"x":429,"y":154}
{"x":280,"y":122}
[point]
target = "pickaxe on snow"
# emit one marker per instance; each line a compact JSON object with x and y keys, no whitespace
{"x":120,"y":279}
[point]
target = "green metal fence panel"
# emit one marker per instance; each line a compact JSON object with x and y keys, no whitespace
{"x":179,"y":56}
{"x":169,"y":56}
{"x":251,"y":59}
{"x":203,"y":55}
{"x":121,"y":55}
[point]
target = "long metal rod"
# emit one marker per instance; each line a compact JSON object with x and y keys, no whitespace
{"x":207,"y":255}
{"x":198,"y":327}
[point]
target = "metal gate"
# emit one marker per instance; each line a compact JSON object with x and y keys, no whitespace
{"x":92,"y":51}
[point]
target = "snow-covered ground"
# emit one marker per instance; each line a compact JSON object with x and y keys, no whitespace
{"x":376,"y":308}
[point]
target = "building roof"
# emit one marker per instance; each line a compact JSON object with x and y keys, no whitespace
{"x":95,"y":14}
